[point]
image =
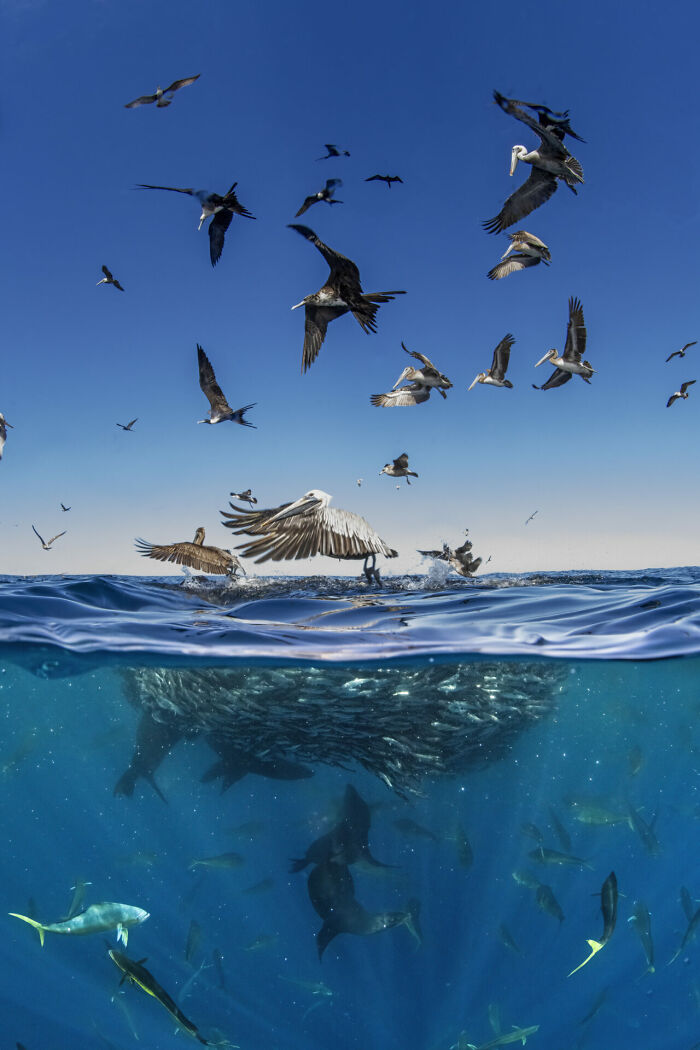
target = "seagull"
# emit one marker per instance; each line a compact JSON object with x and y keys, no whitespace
{"x":683,"y":392}
{"x":388,"y":179}
{"x":196,"y":555}
{"x":333,"y":151}
{"x":246,"y":497}
{"x":161,"y":98}
{"x":551,"y":161}
{"x":109,"y":279}
{"x":413,"y":394}
{"x":570,"y":362}
{"x":341,"y":292}
{"x":459,"y":559}
{"x":3,"y":432}
{"x":681,"y":352}
{"x":128,"y":426}
{"x":44,"y":544}
{"x":220,"y":409}
{"x":530,"y":250}
{"x":323,"y":195}
{"x":531,"y":517}
{"x":306,"y":527}
{"x":398,"y":468}
{"x":64,"y":508}
{"x":213,"y":204}
{"x":428,"y":375}
{"x":499,"y":366}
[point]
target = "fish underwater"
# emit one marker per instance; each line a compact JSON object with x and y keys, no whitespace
{"x":137,"y":974}
{"x":98,"y":918}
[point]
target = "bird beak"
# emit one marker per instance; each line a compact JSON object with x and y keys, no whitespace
{"x":401,"y":377}
{"x":300,"y":506}
{"x":514,"y":158}
{"x":297,"y":305}
{"x":203,"y":216}
{"x":476,"y":380}
{"x":9,"y":425}
{"x":543,"y":359}
{"x":510,"y":247}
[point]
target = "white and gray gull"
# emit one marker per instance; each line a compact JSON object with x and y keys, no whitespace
{"x":163,"y":96}
{"x":682,"y":351}
{"x":496,"y":375}
{"x":680,"y":394}
{"x":196,"y":555}
{"x":220,"y":409}
{"x":47,"y":545}
{"x":529,"y":251}
{"x":398,"y":468}
{"x":3,"y":432}
{"x":306,"y":527}
{"x":569,"y":363}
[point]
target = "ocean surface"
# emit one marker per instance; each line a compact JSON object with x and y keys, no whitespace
{"x":182,"y":745}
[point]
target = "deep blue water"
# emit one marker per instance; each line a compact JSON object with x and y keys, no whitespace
{"x":484,"y":707}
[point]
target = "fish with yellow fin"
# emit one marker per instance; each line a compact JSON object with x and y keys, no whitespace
{"x":608,"y":906}
{"x":136,"y":973}
{"x":98,"y":918}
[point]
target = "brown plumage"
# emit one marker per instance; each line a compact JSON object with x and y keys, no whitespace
{"x":195,"y":555}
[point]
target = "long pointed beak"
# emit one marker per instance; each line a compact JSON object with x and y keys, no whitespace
{"x":297,"y":305}
{"x":514,"y":158}
{"x":543,"y":359}
{"x":401,"y":377}
{"x":300,"y":506}
{"x":476,"y":380}
{"x":9,"y":425}
{"x":511,"y":246}
{"x":202,"y":217}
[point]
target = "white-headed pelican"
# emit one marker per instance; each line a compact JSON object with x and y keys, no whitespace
{"x":569,"y":363}
{"x":496,"y":375}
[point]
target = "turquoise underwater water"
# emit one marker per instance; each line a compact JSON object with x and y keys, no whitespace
{"x":481,"y":724}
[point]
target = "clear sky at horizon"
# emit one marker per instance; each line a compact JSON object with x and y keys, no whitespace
{"x":408,"y":91}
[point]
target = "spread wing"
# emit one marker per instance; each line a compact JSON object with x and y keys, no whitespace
{"x":171,"y":189}
{"x":313,"y":199}
{"x":511,"y":264}
{"x":340,"y":265}
{"x":107,"y":273}
{"x":405,"y":395}
{"x":57,"y":536}
{"x":557,"y":378}
{"x":316,"y":323}
{"x":575,"y":333}
{"x":420,"y":357}
{"x":536,"y":189}
{"x":401,"y":462}
{"x":684,"y":386}
{"x":217,"y":231}
{"x":209,"y":385}
{"x":37,"y":534}
{"x":142,"y":100}
{"x":195,"y":556}
{"x":501,"y":357}
{"x":185,"y":82}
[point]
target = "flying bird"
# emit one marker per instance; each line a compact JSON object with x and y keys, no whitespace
{"x":496,"y":375}
{"x":306,"y":527}
{"x":550,"y":120}
{"x":681,"y":352}
{"x":388,"y":179}
{"x":550,"y":162}
{"x":44,"y":544}
{"x":333,"y":151}
{"x":3,"y":432}
{"x":459,"y":559}
{"x":428,"y":375}
{"x":245,"y":497}
{"x":109,"y":279}
{"x":163,"y":96}
{"x":403,"y":396}
{"x":326,"y":194}
{"x":683,"y":392}
{"x":570,"y":361}
{"x":531,"y":517}
{"x":64,"y":508}
{"x":221,"y":209}
{"x":220,"y":409}
{"x":398,"y":468}
{"x":196,"y":555}
{"x":529,"y":251}
{"x":359,"y":482}
{"x":341,"y":293}
{"x":128,"y":426}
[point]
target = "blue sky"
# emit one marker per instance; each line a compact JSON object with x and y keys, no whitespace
{"x":612,"y":472}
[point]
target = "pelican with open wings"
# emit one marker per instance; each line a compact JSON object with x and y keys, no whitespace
{"x":196,"y":555}
{"x":569,"y":363}
{"x":341,"y":293}
{"x":496,"y":375}
{"x":428,"y":375}
{"x":528,"y":251}
{"x":550,"y":162}
{"x":306,"y":527}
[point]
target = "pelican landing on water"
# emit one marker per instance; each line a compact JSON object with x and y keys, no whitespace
{"x":529,"y":251}
{"x":195,"y":555}
{"x":307,"y":527}
{"x":496,"y":375}
{"x":570,"y":362}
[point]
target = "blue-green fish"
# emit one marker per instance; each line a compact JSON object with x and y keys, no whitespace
{"x":98,"y":918}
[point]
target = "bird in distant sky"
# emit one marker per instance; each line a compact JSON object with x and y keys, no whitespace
{"x":64,"y":508}
{"x":325,"y":194}
{"x":128,"y":426}
{"x":399,"y":468}
{"x":220,"y":409}
{"x":196,"y":555}
{"x":359,"y":482}
{"x":388,"y":179}
{"x":570,"y":362}
{"x":531,"y":517}
{"x":109,"y":279}
{"x":333,"y":151}
{"x":245,"y":497}
{"x":681,"y":352}
{"x":496,"y":375}
{"x":163,"y":96}
{"x":3,"y":432}
{"x":44,"y":544}
{"x":221,"y":209}
{"x":530,"y":251}
{"x":682,"y":393}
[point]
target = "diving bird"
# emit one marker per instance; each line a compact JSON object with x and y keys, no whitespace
{"x":428,"y":375}
{"x":496,"y":375}
{"x":333,"y":151}
{"x":163,"y":96}
{"x":220,"y":409}
{"x":460,"y":559}
{"x":128,"y":426}
{"x":3,"y":432}
{"x":412,"y":394}
{"x":196,"y":555}
{"x":44,"y":544}
{"x":306,"y":527}
{"x":683,"y":392}
{"x":326,"y":194}
{"x":681,"y":352}
{"x":550,"y":162}
{"x":109,"y":279}
{"x":64,"y":508}
{"x":570,"y":361}
{"x":388,"y":179}
{"x":221,"y":209}
{"x":529,"y":251}
{"x":398,"y":468}
{"x":341,"y":293}
{"x":246,"y":497}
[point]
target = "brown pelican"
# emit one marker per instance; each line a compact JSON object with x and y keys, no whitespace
{"x":459,"y":559}
{"x":213,"y":204}
{"x":246,"y":497}
{"x":399,"y":468}
{"x":499,"y":366}
{"x":570,"y":361}
{"x":220,"y":409}
{"x":683,"y":392}
{"x":306,"y":527}
{"x":196,"y":555}
{"x":333,"y":151}
{"x":163,"y":96}
{"x":550,"y":162}
{"x":341,"y":292}
{"x":530,"y":251}
{"x":64,"y":508}
{"x":388,"y":179}
{"x":3,"y":432}
{"x":323,"y":195}
{"x":428,"y":375}
{"x":681,"y":352}
{"x":42,"y":541}
{"x":128,"y":426}
{"x":109,"y":279}
{"x":413,"y":394}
